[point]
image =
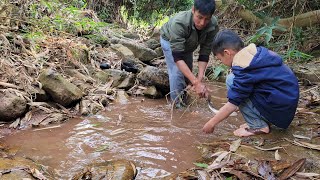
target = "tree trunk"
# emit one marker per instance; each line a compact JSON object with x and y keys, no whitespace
{"x":302,"y":20}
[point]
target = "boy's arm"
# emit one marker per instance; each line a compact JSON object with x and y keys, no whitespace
{"x":223,"y":113}
{"x":200,"y":88}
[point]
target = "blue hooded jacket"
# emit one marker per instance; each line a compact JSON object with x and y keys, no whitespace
{"x":272,"y":87}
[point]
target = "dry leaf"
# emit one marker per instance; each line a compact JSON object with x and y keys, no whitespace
{"x":306,"y":175}
{"x":37,"y":174}
{"x":292,"y":170}
{"x":235,"y":145}
{"x":301,"y":137}
{"x":277,"y":155}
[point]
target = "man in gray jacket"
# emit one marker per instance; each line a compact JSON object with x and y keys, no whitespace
{"x":179,"y":37}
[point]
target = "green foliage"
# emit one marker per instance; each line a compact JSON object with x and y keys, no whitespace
{"x":53,"y":16}
{"x":265,"y":33}
{"x":153,"y":11}
{"x":202,"y":165}
{"x":297,"y":55}
{"x":214,"y":72}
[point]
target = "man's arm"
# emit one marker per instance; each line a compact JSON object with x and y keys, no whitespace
{"x":199,"y":87}
{"x":202,"y":65}
{"x":223,"y":113}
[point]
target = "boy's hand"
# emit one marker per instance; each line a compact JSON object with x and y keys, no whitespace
{"x":208,"y":127}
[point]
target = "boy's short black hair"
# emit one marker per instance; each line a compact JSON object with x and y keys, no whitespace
{"x":226,"y":39}
{"x":205,"y":7}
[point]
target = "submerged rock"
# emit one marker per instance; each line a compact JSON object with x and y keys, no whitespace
{"x":117,"y":169}
{"x":20,"y":168}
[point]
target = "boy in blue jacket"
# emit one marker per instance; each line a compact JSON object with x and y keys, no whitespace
{"x":263,"y":88}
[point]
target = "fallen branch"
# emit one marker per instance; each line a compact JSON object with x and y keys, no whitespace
{"x":9,"y":85}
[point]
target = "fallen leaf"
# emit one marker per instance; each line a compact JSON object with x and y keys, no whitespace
{"x":239,"y":174}
{"x":306,"y":175}
{"x":268,"y":149}
{"x":279,"y":165}
{"x":304,"y":144}
{"x":235,"y":145}
{"x":301,"y":137}
{"x":37,"y":174}
{"x":264,"y":169}
{"x":277,"y":155}
{"x":203,"y":175}
{"x":292,"y":169}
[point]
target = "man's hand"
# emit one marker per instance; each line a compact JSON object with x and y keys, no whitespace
{"x":208,"y":127}
{"x":200,"y":89}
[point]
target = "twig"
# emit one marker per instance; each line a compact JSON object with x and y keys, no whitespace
{"x":9,"y":85}
{"x":52,"y":127}
{"x":309,"y":89}
{"x":265,"y":7}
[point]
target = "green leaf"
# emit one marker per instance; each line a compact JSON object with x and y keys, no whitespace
{"x":268,"y":35}
{"x":203,"y":165}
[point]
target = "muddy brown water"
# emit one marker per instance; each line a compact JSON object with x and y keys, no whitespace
{"x":140,"y":130}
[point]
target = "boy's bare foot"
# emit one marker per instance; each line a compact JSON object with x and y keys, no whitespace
{"x":245,"y":125}
{"x":244,"y":132}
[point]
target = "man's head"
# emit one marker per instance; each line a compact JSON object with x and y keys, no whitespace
{"x":225,"y":45}
{"x":202,"y":12}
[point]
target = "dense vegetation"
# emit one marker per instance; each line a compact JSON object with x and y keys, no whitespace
{"x":257,"y":21}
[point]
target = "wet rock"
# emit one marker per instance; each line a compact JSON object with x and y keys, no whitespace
{"x":122,"y":51}
{"x":127,"y":83}
{"x":39,"y":95}
{"x":12,"y":105}
{"x":142,"y":53}
{"x":117,"y":75}
{"x":159,"y":51}
{"x":155,"y":34}
{"x":152,"y":92}
{"x":78,"y":75}
{"x":118,"y":169}
{"x":130,"y":65}
{"x":102,"y":76}
{"x":310,"y":72}
{"x":105,"y":66}
{"x":152,"y":43}
{"x":18,"y":168}
{"x":61,"y":91}
{"x":122,"y":97}
{"x":152,"y":76}
{"x":131,"y":35}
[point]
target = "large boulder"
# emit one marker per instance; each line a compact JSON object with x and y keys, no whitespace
{"x":142,"y":53}
{"x":152,"y":44}
{"x":61,"y":91}
{"x":122,"y":51}
{"x":127,"y":83}
{"x":12,"y":106}
{"x":153,"y":76}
